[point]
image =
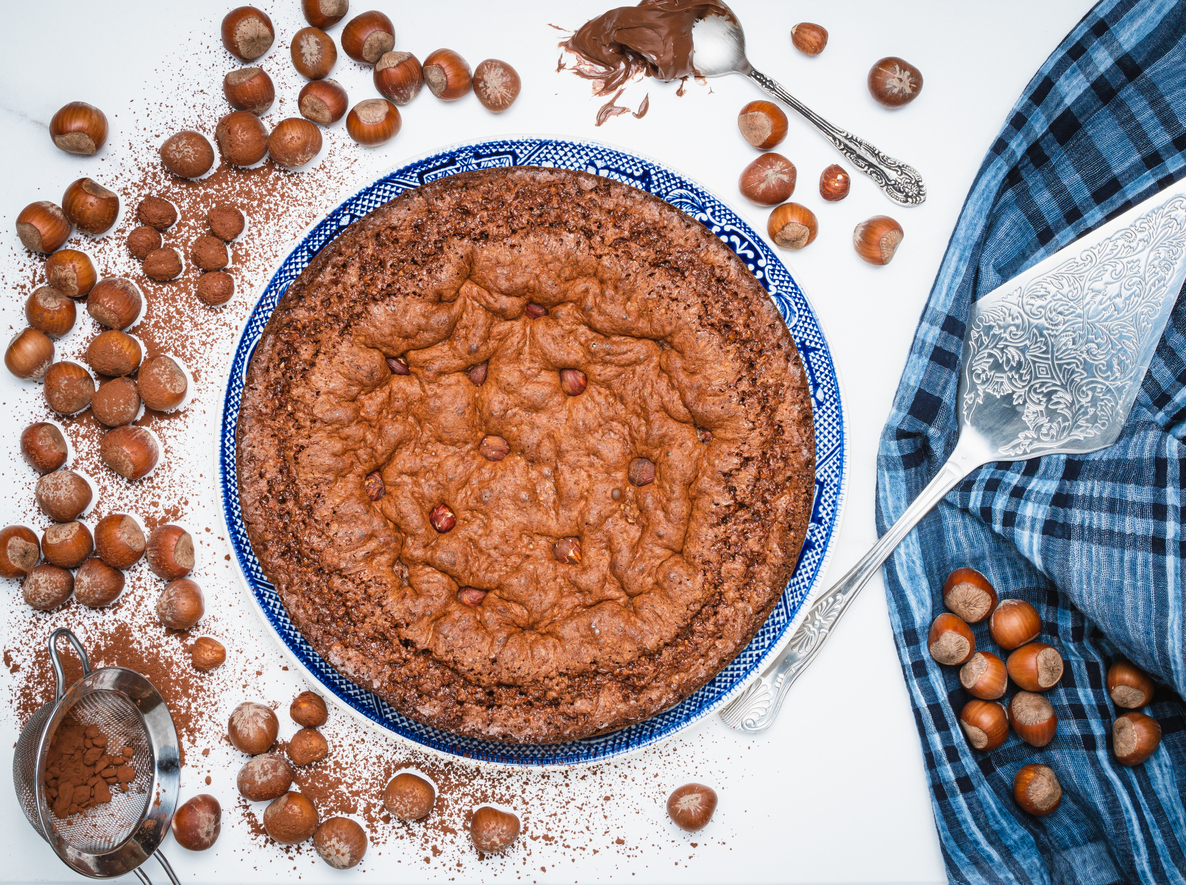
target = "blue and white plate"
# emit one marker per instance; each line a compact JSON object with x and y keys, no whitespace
{"x":830,"y":442}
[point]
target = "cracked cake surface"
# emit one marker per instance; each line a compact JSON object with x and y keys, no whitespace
{"x":610,"y":410}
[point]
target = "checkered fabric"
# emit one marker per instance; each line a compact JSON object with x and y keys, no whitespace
{"x":1094,"y":541}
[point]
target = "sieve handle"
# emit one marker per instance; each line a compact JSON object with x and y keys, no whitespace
{"x":59,"y":671}
{"x":164,"y":861}
{"x":143,"y":878}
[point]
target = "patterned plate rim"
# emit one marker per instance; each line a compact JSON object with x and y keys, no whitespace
{"x":831,"y":437}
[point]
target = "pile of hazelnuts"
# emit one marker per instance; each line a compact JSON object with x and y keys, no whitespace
{"x":1034,"y":667}
{"x":369,"y":39}
{"x":770,"y":179}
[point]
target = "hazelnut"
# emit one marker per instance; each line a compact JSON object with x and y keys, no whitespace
{"x":341,"y":842}
{"x":809,"y":38}
{"x":968,"y":594}
{"x":242,"y":138}
{"x":984,"y":676}
{"x":67,"y":544}
{"x":132,"y":452}
{"x":313,"y":53}
{"x":43,"y":447}
{"x":535,"y":311}
{"x":950,"y":640}
{"x":567,"y":551}
{"x":442,"y":518}
{"x":249,"y":89}
{"x":894,"y":82}
{"x":398,"y":76}
{"x":494,"y":448}
{"x":90,"y":207}
{"x":162,"y":383}
{"x":48,"y":310}
{"x":216,"y":289}
{"x":1035,"y":667}
{"x":985,"y":724}
{"x":170,"y":552}
{"x":197,"y":823}
{"x":409,"y":796}
{"x":373,"y":121}
{"x":97,"y":584}
{"x":119,"y":540}
{"x":1036,"y":789}
{"x":496,"y":84}
{"x":768,"y":180}
{"x":78,"y":128}
{"x":47,"y":587}
{"x":493,"y":830}
{"x":367,"y":36}
{"x":63,"y":495}
{"x":470,"y":596}
{"x":143,"y":241}
{"x":163,"y":265}
{"x":42,"y":227}
{"x":1128,"y":685}
{"x":308,"y":709}
{"x":477,"y":374}
{"x":247,"y":33}
{"x":252,"y":728}
{"x":70,"y":272}
{"x":19,"y":551}
{"x":834,"y":183}
{"x":446,"y":75}
{"x":187,"y":154}
{"x":573,"y":381}
{"x":1135,"y":737}
{"x":1033,"y":718}
{"x":116,"y":402}
{"x":294,"y":142}
{"x":226,"y":221}
{"x":264,"y":777}
{"x":1014,"y":622}
{"x":322,"y":101}
{"x":877,"y":239}
{"x":324,"y":13}
{"x":209,"y":253}
{"x":180,"y":604}
{"x":398,"y":365}
{"x":30,"y":354}
{"x":291,"y":819}
{"x":762,"y":124}
{"x":115,"y":302}
{"x":375,"y":488}
{"x":207,"y":653}
{"x":792,"y":226}
{"x":691,"y":806}
{"x":114,"y":353}
{"x":307,"y":746}
{"x":157,"y":212}
{"x":641,"y":472}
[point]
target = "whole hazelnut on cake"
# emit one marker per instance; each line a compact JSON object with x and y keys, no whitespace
{"x":252,"y":728}
{"x":46,"y":587}
{"x":691,"y":806}
{"x":180,"y":605}
{"x":207,"y":653}
{"x":170,"y":552}
{"x":291,"y":819}
{"x":409,"y":796}
{"x":62,"y":495}
{"x":307,"y":746}
{"x":492,"y":829}
{"x":264,"y":777}
{"x":19,"y":551}
{"x":43,"y":447}
{"x":197,"y":823}
{"x":308,"y":709}
{"x":242,"y":138}
{"x":340,"y":842}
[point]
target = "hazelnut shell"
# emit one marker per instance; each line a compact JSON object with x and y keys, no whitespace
{"x":340,"y":842}
{"x":252,"y":728}
{"x":132,"y":452}
{"x":294,"y":142}
{"x":447,"y":75}
{"x":97,"y":584}
{"x":691,"y":806}
{"x":308,"y":709}
{"x":90,"y":207}
{"x":207,"y":653}
{"x":71,"y":272}
{"x":180,"y":604}
{"x":48,"y":310}
{"x":29,"y":355}
{"x":409,"y":796}
{"x":47,"y":587}
{"x":42,"y":227}
{"x":367,"y":36}
{"x":20,"y":550}
{"x":264,"y":777}
{"x":43,"y":447}
{"x":493,"y":830}
{"x":63,"y":495}
{"x":67,"y":544}
{"x":119,"y":540}
{"x":197,"y":823}
{"x":170,"y":552}
{"x":291,"y":819}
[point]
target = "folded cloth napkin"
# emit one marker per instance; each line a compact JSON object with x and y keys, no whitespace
{"x":1097,"y":541}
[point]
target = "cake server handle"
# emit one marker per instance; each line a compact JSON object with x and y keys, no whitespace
{"x":756,"y":708}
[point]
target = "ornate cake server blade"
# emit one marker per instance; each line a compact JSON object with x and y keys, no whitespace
{"x":1052,"y":362}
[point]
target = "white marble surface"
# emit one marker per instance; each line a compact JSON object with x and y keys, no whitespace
{"x":835,"y":791}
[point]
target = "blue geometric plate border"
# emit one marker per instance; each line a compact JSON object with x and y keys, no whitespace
{"x":830,"y":440}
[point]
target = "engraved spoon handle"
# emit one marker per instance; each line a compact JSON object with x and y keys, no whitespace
{"x":901,"y":183}
{"x":756,"y":708}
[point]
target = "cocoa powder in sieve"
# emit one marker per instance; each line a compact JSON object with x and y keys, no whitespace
{"x":80,"y":769}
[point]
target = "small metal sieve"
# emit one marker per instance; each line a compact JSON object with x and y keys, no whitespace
{"x":115,"y":837}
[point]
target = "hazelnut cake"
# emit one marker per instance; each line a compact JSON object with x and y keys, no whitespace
{"x":528,"y":453}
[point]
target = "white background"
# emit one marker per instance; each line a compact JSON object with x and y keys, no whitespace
{"x":835,"y":791}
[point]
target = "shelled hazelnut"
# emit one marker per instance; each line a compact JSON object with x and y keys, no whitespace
{"x":29,"y":355}
{"x":180,"y":604}
{"x":67,"y":544}
{"x":242,"y":138}
{"x":969,"y":594}
{"x":762,"y":124}
{"x":207,"y":653}
{"x":216,"y":288}
{"x":170,"y":552}
{"x":71,"y":272}
{"x":143,"y":241}
{"x":894,"y":82}
{"x":367,"y":36}
{"x":809,"y":38}
{"x":62,"y":495}
{"x":324,"y":13}
{"x":247,"y":33}
{"x":950,"y":640}
{"x":493,"y":830}
{"x":307,"y":746}
{"x":48,"y":310}
{"x":834,"y":183}
{"x":43,"y":447}
{"x":162,"y":383}
{"x":442,"y":518}
{"x":19,"y":551}
{"x":876,"y":239}
{"x":47,"y":587}
{"x":264,"y":777}
{"x":1129,"y":686}
{"x":323,"y":101}
{"x":209,"y":253}
{"x":792,"y":226}
{"x":1135,"y":737}
{"x":114,"y":353}
{"x":1036,"y":789}
{"x":447,"y":75}
{"x":373,"y":121}
{"x":496,"y":84}
{"x":984,"y":676}
{"x":78,"y":128}
{"x":768,"y":180}
{"x":641,"y":472}
{"x":409,"y":796}
{"x":225,"y":221}
{"x":470,"y":596}
{"x":494,"y":448}
{"x":1035,"y":666}
{"x":477,"y":374}
{"x":691,"y":806}
{"x":294,"y":142}
{"x":116,"y":402}
{"x":249,"y":89}
{"x":567,"y":551}
{"x":1033,"y":718}
{"x":187,"y":154}
{"x":90,"y":207}
{"x":985,"y":723}
{"x":197,"y":823}
{"x":252,"y":728}
{"x":42,"y":227}
{"x":157,"y":212}
{"x":340,"y":842}
{"x":398,"y":76}
{"x":115,"y":302}
{"x":119,"y":540}
{"x":308,"y":709}
{"x":313,"y":53}
{"x":1014,"y":622}
{"x":534,"y":311}
{"x":132,"y":452}
{"x":97,"y":584}
{"x":163,"y":265}
{"x":291,"y":819}
{"x":573,"y":381}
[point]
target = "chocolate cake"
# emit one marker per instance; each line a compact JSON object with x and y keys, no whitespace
{"x":528,"y":453}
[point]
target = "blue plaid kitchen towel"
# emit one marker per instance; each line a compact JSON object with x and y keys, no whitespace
{"x":1097,"y":542}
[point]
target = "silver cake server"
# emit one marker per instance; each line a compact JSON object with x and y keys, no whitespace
{"x":1052,"y":362}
